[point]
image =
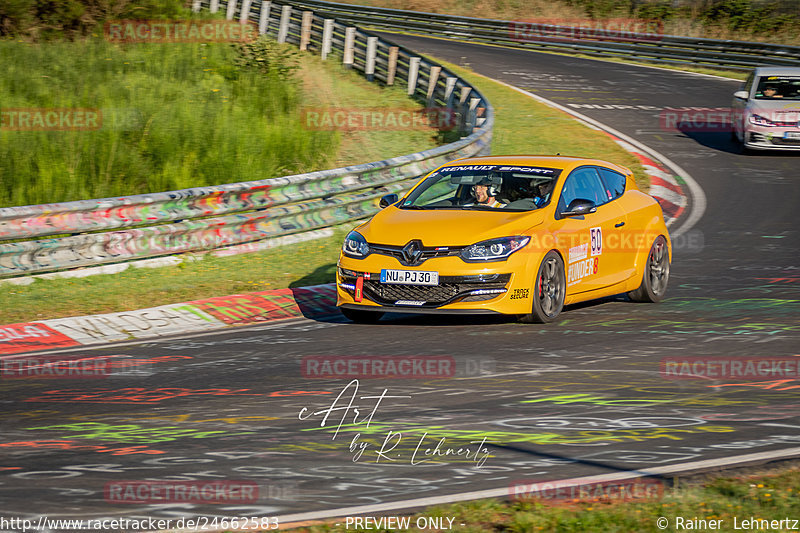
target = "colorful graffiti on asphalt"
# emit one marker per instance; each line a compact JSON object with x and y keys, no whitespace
{"x":75,"y":446}
{"x":271,"y":305}
{"x":131,"y":433}
{"x":141,"y":395}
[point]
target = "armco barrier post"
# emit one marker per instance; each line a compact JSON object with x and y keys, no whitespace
{"x":349,"y":41}
{"x":244,"y":14}
{"x":283,"y":29}
{"x":472,"y":116}
{"x":480,"y":117}
{"x":214,"y":7}
{"x":393,"y":52}
{"x":231,"y":9}
{"x":450,"y":85}
{"x":462,"y":108}
{"x":372,"y":49}
{"x":196,"y":6}
{"x":327,"y":37}
{"x":433,"y":79}
{"x":305,"y":30}
{"x":413,"y":74}
{"x":263,"y":17}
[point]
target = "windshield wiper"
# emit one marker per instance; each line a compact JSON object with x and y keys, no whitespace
{"x":480,"y":208}
{"x":430,"y":207}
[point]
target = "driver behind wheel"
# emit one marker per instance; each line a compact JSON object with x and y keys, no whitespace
{"x":544,"y":191}
{"x":484,"y":193}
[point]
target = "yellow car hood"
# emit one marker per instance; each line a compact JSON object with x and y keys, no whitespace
{"x":446,"y":227}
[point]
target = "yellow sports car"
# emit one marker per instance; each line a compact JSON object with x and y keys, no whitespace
{"x":517,"y":235}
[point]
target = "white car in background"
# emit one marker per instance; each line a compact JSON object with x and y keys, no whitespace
{"x":766,"y":110}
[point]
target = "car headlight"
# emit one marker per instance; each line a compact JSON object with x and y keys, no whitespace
{"x":355,"y":245}
{"x":758,"y":120}
{"x":493,"y":249}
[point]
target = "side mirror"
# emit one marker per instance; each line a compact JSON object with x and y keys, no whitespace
{"x":741,"y":95}
{"x":388,"y":200}
{"x":579,"y":207}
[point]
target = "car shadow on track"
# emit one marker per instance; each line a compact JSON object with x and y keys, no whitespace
{"x":661,"y":480}
{"x":722,"y":142}
{"x":443,"y":320}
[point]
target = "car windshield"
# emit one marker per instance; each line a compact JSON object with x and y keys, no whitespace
{"x":507,"y":187}
{"x":783,"y":87}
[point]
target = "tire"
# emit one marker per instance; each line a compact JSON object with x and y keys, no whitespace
{"x":361,"y":317}
{"x":656,"y":274}
{"x":549,"y":290}
{"x":743,"y":149}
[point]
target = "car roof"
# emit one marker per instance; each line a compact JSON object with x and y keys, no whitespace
{"x":552,"y":161}
{"x":777,"y":71}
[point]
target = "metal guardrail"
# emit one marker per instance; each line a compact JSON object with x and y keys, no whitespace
{"x":733,"y":55}
{"x":206,"y":218}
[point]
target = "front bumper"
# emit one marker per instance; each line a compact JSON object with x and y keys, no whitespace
{"x":496,"y":287}
{"x":762,"y":138}
{"x":421,"y":310}
{"x":451,"y":289}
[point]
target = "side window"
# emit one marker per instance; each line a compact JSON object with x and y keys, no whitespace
{"x":614,"y":183}
{"x":583,"y":183}
{"x":749,"y":83}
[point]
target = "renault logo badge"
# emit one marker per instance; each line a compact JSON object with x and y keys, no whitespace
{"x":412,"y":252}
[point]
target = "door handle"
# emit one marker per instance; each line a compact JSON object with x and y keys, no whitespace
{"x":619,"y":224}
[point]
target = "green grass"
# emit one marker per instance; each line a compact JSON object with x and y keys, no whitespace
{"x":772,"y":497}
{"x":174,"y":116}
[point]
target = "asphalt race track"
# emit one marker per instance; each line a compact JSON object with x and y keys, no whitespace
{"x":591,"y":394}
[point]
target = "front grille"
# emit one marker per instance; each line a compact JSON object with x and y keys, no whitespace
{"x":780,"y":141}
{"x":392,"y":293}
{"x":777,"y":141}
{"x":426,"y":252}
{"x":450,"y":289}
